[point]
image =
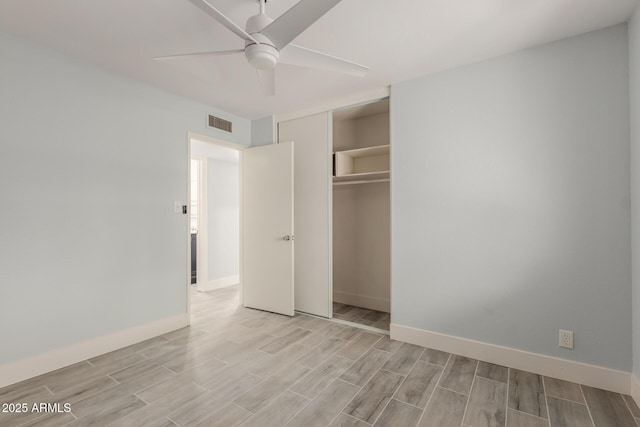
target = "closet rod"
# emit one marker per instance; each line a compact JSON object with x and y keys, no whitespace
{"x":364,"y":181}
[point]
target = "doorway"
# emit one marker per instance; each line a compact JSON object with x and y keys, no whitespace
{"x":214,"y":215}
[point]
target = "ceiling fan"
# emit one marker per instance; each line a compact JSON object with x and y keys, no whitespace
{"x":268,"y":41}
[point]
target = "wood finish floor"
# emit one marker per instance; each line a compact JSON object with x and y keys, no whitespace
{"x":237,"y":366}
{"x":362,"y":316}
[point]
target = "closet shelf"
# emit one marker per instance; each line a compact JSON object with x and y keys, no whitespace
{"x":361,"y":164}
{"x":361,"y":178}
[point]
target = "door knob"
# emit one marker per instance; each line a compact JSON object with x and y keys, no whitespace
{"x":287,"y":237}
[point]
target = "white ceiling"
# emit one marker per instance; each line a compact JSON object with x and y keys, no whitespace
{"x":398,"y":39}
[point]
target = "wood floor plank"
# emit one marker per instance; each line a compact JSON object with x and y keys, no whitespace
{"x":633,"y":407}
{"x":387,"y":344}
{"x":420,"y":384}
{"x":164,"y":351}
{"x":233,"y":352}
{"x":364,"y":368}
{"x":607,"y":408}
{"x":112,"y":365}
{"x":320,"y":353}
{"x":148,"y":379}
{"x":198,"y":409}
{"x":131,"y":372}
{"x":51,"y":420}
{"x":155,"y":413}
{"x":354,"y":313}
{"x":230,"y":416}
{"x":326,"y":406}
{"x":272,"y":363}
{"x":563,"y":389}
{"x":399,"y":414}
{"x":245,"y":357}
{"x":190,"y":360}
{"x":435,"y":357}
{"x":98,"y":411}
{"x":565,"y":413}
{"x":359,"y":346}
{"x":493,"y":372}
{"x":445,"y":409}
{"x":369,"y":403}
{"x":204,"y":405}
{"x":329,"y":329}
{"x":526,"y":393}
{"x":283,"y":342}
{"x":263,"y":393}
{"x":403,"y":360}
{"x":487,"y":404}
{"x":26,"y":392}
{"x":227,"y":385}
{"x":374,"y":315}
{"x":319,"y":378}
{"x":204,"y":371}
{"x":458,"y":374}
{"x":344,"y":420}
{"x":178,"y":396}
{"x":520,"y":419}
{"x":230,"y":380}
{"x":348,"y":333}
{"x":98,"y":402}
{"x":279,"y":412}
{"x":339,"y":308}
{"x":70,"y":376}
{"x":163,"y":388}
{"x":84,"y":390}
{"x":135,"y":348}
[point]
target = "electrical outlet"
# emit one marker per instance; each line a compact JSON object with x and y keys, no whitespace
{"x":566,"y":339}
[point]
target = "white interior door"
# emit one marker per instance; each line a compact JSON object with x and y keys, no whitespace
{"x":313,"y":211}
{"x":267,"y":228}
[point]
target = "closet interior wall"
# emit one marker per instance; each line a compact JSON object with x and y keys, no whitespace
{"x":361,"y":220}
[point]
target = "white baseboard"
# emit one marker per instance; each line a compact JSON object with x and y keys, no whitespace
{"x":218,"y":283}
{"x":582,"y":373}
{"x":635,"y":389}
{"x":20,"y":370}
{"x":372,"y":303}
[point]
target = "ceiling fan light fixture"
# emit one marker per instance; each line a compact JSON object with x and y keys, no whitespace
{"x":262,"y":56}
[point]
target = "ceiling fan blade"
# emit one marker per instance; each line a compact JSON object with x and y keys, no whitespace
{"x":303,"y":57}
{"x":267,"y":81}
{"x":186,"y":55}
{"x":221,"y":18}
{"x":295,"y":20}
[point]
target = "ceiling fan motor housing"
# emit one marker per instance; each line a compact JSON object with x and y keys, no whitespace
{"x":263,"y":56}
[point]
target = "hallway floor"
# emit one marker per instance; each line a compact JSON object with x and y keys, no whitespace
{"x":237,"y":366}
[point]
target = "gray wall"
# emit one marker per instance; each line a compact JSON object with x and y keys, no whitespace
{"x":511,"y":200}
{"x":262,"y":131}
{"x":90,"y":165}
{"x":634,"y":91}
{"x":224,"y":218}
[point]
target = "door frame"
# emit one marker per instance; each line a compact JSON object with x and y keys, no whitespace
{"x":209,"y":140}
{"x":202,"y":241}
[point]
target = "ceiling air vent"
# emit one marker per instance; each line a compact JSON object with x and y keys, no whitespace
{"x":218,"y":123}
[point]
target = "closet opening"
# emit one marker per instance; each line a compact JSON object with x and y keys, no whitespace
{"x":361,"y":215}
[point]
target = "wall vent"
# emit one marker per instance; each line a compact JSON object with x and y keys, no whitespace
{"x":218,"y":123}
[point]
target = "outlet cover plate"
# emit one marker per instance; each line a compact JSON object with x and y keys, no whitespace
{"x":566,"y":339}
